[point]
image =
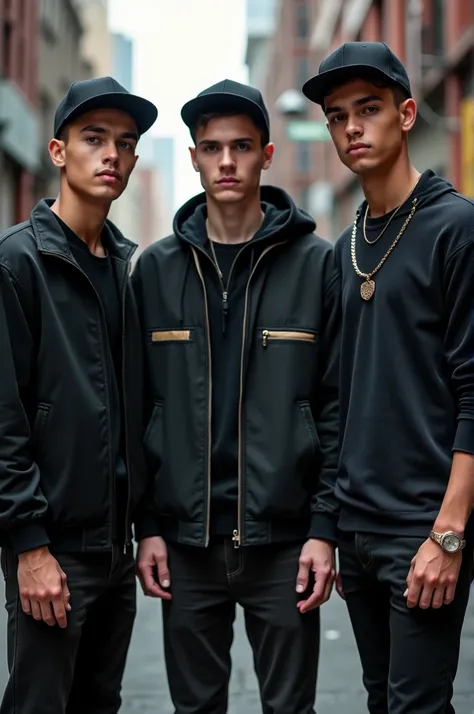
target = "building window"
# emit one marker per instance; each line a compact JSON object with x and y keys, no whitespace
{"x":302,"y":19}
{"x":303,"y":157}
{"x":7,"y":49}
{"x":49,"y":14}
{"x":302,"y":71}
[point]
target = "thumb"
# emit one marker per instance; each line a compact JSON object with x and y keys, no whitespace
{"x":163,"y":572}
{"x":66,"y":593}
{"x":303,"y":573}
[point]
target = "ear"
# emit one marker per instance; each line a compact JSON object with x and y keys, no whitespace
{"x":268,"y":152}
{"x":408,"y":113}
{"x":57,"y":152}
{"x":192,"y":151}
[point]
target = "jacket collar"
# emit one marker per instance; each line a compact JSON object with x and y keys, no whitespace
{"x":51,"y":239}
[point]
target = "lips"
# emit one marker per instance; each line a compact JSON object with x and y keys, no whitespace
{"x":110,"y":176}
{"x":228,"y":181}
{"x":355,"y":149}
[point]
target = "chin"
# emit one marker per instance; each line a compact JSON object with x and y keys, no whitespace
{"x":228,"y":195}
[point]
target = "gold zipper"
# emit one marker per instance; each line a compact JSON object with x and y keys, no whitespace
{"x":300,"y":335}
{"x":236,"y":537}
{"x":209,"y":416}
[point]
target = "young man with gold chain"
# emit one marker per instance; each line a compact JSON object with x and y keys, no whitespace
{"x":406,"y":472}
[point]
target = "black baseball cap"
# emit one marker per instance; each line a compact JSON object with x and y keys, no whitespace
{"x":103,"y":93}
{"x":228,"y":96}
{"x":355,"y":60}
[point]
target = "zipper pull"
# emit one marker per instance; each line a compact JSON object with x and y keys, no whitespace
{"x":236,"y":539}
{"x":225,"y":310}
{"x":264,"y":337}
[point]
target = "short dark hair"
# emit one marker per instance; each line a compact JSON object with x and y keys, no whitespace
{"x":204,"y":119}
{"x":399,"y":94}
{"x":64,"y":134}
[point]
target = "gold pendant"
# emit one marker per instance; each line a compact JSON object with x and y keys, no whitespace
{"x":367,"y":289}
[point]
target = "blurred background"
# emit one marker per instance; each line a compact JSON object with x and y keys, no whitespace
{"x":168,"y":51}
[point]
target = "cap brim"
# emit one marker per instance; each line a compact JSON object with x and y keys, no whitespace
{"x":318,"y":87}
{"x":143,"y":112}
{"x":222,"y":102}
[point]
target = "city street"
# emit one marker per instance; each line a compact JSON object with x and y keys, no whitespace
{"x":339,"y":692}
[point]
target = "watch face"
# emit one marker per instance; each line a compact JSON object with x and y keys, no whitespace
{"x":451,"y":543}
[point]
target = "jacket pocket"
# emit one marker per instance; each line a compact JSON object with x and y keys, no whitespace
{"x":153,"y":437}
{"x":39,"y":428}
{"x":307,"y":415}
{"x":160,"y":336}
{"x":269,"y":336}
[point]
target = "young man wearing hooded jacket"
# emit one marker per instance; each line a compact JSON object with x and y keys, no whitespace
{"x":406,"y":475}
{"x":240,"y":317}
{"x":72,"y":473}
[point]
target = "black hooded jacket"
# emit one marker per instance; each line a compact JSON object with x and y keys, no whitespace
{"x":242,"y":426}
{"x":407,"y":363}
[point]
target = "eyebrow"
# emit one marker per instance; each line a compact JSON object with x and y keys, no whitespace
{"x":207,"y":142}
{"x":102,"y":130}
{"x":357,"y":103}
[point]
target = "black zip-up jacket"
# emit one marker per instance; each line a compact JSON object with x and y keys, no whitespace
{"x":57,"y":464}
{"x":288,"y":400}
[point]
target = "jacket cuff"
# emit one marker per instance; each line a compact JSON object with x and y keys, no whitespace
{"x":464,"y":439}
{"x":146,"y":526}
{"x":323,"y":526}
{"x":28,"y":536}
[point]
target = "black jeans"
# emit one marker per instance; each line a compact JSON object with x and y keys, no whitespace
{"x":206,"y":584}
{"x":409,"y":656}
{"x":79,"y":669}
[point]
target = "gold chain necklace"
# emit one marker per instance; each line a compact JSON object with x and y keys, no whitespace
{"x":367,"y":288}
{"x":364,"y":226}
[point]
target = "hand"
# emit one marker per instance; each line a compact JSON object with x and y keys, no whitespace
{"x":42,"y":584}
{"x":316,"y":556}
{"x":339,"y":588}
{"x":152,"y":561}
{"x":433,"y":576}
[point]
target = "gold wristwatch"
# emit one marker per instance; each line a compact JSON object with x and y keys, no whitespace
{"x":449,"y":541}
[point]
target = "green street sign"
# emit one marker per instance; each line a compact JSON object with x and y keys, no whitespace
{"x":306,"y":130}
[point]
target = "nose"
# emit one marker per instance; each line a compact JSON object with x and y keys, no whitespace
{"x":110,"y":155}
{"x":353,"y":126}
{"x":227,"y":160}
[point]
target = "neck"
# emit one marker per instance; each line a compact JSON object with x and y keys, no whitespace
{"x":385,"y":192}
{"x":234,"y":223}
{"x":84,"y":216}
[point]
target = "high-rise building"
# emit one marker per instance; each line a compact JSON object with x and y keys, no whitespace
{"x":60,"y":62}
{"x":19,"y":119}
{"x":261,"y":23}
{"x":163,"y":156}
{"x":122,"y":60}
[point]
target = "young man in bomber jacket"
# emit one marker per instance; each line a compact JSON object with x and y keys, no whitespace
{"x":240,"y":316}
{"x":71,"y":468}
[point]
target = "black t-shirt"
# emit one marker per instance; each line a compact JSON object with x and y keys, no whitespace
{"x":101,"y":274}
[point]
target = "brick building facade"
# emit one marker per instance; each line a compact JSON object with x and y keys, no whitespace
{"x":435,"y":40}
{"x":19,"y":125}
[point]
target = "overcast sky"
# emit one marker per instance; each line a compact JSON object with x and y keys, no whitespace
{"x":181,"y":47}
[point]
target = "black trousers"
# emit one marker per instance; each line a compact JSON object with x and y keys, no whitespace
{"x":409,"y":656}
{"x":79,"y":669}
{"x":206,"y":584}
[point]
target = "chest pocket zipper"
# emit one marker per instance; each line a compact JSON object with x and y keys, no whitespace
{"x":287,"y":335}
